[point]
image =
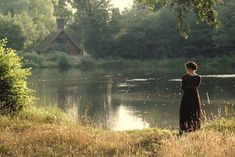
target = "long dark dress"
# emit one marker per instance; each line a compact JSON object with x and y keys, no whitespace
{"x":190,"y":108}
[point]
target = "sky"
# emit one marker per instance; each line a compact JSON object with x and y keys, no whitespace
{"x":122,"y":4}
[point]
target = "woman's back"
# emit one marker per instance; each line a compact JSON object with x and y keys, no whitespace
{"x":190,"y":108}
{"x":190,"y":81}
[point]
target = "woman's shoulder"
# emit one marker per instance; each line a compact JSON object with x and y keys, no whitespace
{"x":187,"y":75}
{"x":184,"y":76}
{"x":198,"y":76}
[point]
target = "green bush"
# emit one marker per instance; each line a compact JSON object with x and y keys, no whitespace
{"x":87,"y":63}
{"x":32,"y":59}
{"x":51,"y":59}
{"x":63,"y":61}
{"x":14,"y":94}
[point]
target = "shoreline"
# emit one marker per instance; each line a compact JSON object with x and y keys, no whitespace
{"x":66,"y":62}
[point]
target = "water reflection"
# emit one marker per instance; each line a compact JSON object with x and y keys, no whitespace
{"x":126,"y":119}
{"x":122,"y":102}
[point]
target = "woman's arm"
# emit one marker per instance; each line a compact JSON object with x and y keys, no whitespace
{"x":199,"y":81}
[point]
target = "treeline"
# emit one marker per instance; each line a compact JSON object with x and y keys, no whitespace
{"x":26,"y":22}
{"x":142,"y":34}
{"x":103,"y":31}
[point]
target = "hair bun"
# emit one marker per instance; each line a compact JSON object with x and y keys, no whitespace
{"x":191,"y":65}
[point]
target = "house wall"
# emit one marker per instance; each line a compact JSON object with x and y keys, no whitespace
{"x":69,"y":46}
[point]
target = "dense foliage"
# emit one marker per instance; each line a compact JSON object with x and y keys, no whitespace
{"x":224,"y":37}
{"x":137,"y":33}
{"x":140,"y":33}
{"x":203,"y":10}
{"x":35,"y":17}
{"x":13,"y":32}
{"x":14,"y":94}
{"x":91,"y":25}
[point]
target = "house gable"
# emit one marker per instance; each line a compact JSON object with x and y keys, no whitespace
{"x":62,"y":41}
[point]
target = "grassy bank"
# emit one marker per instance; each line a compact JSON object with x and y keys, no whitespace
{"x":49,"y":132}
{"x":62,"y":60}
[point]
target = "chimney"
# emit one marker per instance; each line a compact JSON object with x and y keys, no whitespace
{"x":60,"y":24}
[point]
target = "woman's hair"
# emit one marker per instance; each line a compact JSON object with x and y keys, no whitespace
{"x":191,"y":65}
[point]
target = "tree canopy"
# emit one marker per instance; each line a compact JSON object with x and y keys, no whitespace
{"x":12,"y":32}
{"x":35,"y":17}
{"x":92,"y":25}
{"x":143,"y":34}
{"x":150,"y":29}
{"x":205,"y":11}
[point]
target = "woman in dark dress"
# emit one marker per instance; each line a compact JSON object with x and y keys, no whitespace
{"x":190,"y":108}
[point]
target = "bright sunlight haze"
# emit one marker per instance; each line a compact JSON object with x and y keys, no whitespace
{"x":122,"y":4}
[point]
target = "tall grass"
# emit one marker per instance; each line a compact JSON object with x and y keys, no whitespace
{"x":50,"y":132}
{"x":200,"y":144}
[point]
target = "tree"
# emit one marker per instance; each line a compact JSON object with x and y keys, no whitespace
{"x":64,"y":10}
{"x":148,"y":35}
{"x":42,"y":14}
{"x":35,"y":17}
{"x":13,"y":6}
{"x":12,"y":32}
{"x":92,"y":25}
{"x":14,"y":94}
{"x":224,"y":37}
{"x":115,"y":23}
{"x":29,"y":28}
{"x":199,"y":42}
{"x":205,"y":10}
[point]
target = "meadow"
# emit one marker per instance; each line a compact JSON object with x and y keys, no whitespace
{"x":51,"y":132}
{"x":151,"y":34}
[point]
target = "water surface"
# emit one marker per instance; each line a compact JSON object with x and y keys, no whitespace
{"x":129,"y":100}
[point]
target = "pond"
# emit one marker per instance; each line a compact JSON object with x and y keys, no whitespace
{"x":128,"y":100}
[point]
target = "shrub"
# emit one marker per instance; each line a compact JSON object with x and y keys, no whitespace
{"x":87,"y":63}
{"x":14,"y":94}
{"x":32,"y":59}
{"x":51,"y":59}
{"x":63,"y":61}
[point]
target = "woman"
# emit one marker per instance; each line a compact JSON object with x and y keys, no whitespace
{"x":190,"y":108}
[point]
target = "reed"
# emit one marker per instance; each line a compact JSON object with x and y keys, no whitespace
{"x":50,"y":132}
